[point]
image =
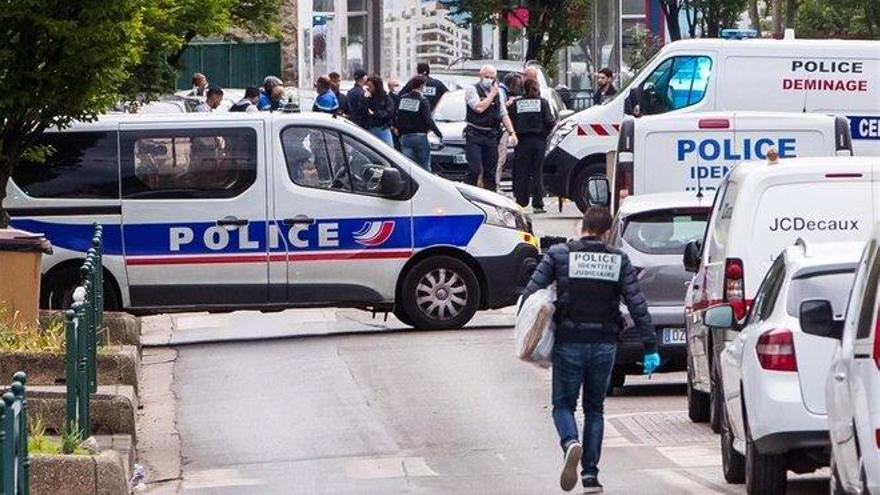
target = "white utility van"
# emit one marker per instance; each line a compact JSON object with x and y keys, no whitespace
{"x":705,"y":75}
{"x":672,"y":153}
{"x":224,"y":211}
{"x":759,"y":209}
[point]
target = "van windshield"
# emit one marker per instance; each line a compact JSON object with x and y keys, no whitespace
{"x":665,"y":231}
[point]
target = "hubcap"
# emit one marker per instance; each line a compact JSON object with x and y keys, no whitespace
{"x":441,"y":294}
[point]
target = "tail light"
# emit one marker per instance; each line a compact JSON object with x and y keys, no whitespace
{"x":776,"y":350}
{"x":734,"y":286}
{"x":877,"y":438}
{"x":876,"y":353}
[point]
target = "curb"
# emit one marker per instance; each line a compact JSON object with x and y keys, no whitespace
{"x":103,"y":474}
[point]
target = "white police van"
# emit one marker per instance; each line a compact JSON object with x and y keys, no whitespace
{"x":671,"y":153}
{"x":704,"y":75}
{"x":226,"y":211}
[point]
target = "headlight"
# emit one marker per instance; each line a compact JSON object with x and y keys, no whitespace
{"x":503,"y":217}
{"x":562,"y":130}
{"x":435,"y":141}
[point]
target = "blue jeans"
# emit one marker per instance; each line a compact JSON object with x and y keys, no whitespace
{"x":589,"y":365}
{"x":416,"y":147}
{"x":382,"y":133}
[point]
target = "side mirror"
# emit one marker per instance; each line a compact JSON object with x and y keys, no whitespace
{"x":598,"y":191}
{"x":391,"y":183}
{"x":719,"y":317}
{"x":692,"y":256}
{"x":817,"y":318}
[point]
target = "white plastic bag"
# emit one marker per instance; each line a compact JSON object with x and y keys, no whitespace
{"x":534,"y":329}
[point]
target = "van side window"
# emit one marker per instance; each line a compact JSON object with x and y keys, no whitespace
{"x":74,"y":165}
{"x":315,"y":158}
{"x":366,"y":166}
{"x":188,"y":163}
{"x":676,"y":83}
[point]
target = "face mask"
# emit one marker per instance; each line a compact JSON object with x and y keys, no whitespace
{"x":486,"y":83}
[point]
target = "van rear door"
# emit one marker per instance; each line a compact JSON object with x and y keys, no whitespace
{"x":194,"y":210}
{"x":792,"y":135}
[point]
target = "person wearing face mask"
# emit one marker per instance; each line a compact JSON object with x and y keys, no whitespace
{"x":485,"y":113}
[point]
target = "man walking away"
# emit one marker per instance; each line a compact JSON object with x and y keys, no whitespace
{"x":591,"y":278}
{"x":434,"y":89}
{"x":485,"y":112}
{"x":605,"y":89}
{"x":200,"y":84}
{"x":335,"y":81}
{"x":533,"y":121}
{"x":212,"y":100}
{"x":414,"y":120}
{"x":357,"y":110}
{"x":325,"y":102}
{"x":249,"y":102}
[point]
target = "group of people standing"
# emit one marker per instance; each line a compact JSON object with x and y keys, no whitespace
{"x":400,"y":117}
{"x":270,"y":96}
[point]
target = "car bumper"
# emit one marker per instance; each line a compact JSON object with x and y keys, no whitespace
{"x":558,"y":166}
{"x":507,"y":275}
{"x":787,"y":441}
{"x":631,"y":350}
{"x":448,"y":162}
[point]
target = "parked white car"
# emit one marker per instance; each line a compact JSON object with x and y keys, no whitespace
{"x":773,"y":373}
{"x":853,"y":385}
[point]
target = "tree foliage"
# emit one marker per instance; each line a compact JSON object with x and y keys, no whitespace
{"x":552,"y":24}
{"x":839,"y":19}
{"x":60,"y":61}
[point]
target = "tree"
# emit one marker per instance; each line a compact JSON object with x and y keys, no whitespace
{"x":60,"y":61}
{"x":714,"y":15}
{"x":551,"y":24}
{"x":646,"y":45}
{"x":671,"y":10}
{"x":857,"y":19}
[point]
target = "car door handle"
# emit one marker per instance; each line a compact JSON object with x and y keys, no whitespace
{"x":840,"y":377}
{"x":298,"y":220}
{"x":232,"y":222}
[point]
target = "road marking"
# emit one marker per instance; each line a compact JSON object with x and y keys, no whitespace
{"x":388,"y":467}
{"x":217,"y":478}
{"x":689,"y":456}
{"x":677,"y":480}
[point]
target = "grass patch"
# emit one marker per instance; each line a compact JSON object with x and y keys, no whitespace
{"x":39,"y":443}
{"x":19,"y":335}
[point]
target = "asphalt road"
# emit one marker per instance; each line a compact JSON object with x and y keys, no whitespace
{"x":417,"y":412}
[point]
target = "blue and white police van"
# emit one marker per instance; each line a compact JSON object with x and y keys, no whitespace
{"x":229,"y":211}
{"x":708,"y":75}
{"x":672,"y":153}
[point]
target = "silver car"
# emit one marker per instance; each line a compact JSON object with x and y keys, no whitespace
{"x":653,"y":230}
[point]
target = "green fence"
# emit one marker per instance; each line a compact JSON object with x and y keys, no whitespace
{"x":230,"y":65}
{"x":84,"y":318}
{"x":14,"y":460}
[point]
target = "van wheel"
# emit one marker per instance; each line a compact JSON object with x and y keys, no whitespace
{"x":57,"y":290}
{"x":402,"y":316}
{"x":698,"y":403}
{"x":579,"y":189}
{"x":733,"y":464}
{"x":440,"y":293}
{"x":716,"y":399}
{"x":765,"y":473}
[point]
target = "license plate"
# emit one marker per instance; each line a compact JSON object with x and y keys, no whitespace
{"x":674,"y":336}
{"x":462,"y":158}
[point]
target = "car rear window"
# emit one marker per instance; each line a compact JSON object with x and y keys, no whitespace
{"x":833,"y":286}
{"x":664,"y":231}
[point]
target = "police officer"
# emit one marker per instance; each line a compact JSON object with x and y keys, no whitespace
{"x":434,"y":89}
{"x":533,"y":120}
{"x":485,"y":112}
{"x":413,"y":123}
{"x":591,"y":279}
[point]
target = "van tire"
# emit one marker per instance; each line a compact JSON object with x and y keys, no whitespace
{"x":766,"y":474}
{"x":440,"y":278}
{"x":57,"y":290}
{"x":698,"y":403}
{"x":401,"y":315}
{"x":716,"y":399}
{"x":579,"y":187}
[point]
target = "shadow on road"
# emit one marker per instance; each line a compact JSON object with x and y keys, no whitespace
{"x":651,"y":390}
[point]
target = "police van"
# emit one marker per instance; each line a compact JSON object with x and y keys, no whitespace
{"x":761,"y":208}
{"x":227,"y":211}
{"x":672,"y":153}
{"x":704,"y":75}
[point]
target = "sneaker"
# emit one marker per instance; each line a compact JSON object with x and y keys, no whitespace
{"x":569,"y":476}
{"x":591,"y":484}
{"x":538,"y":211}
